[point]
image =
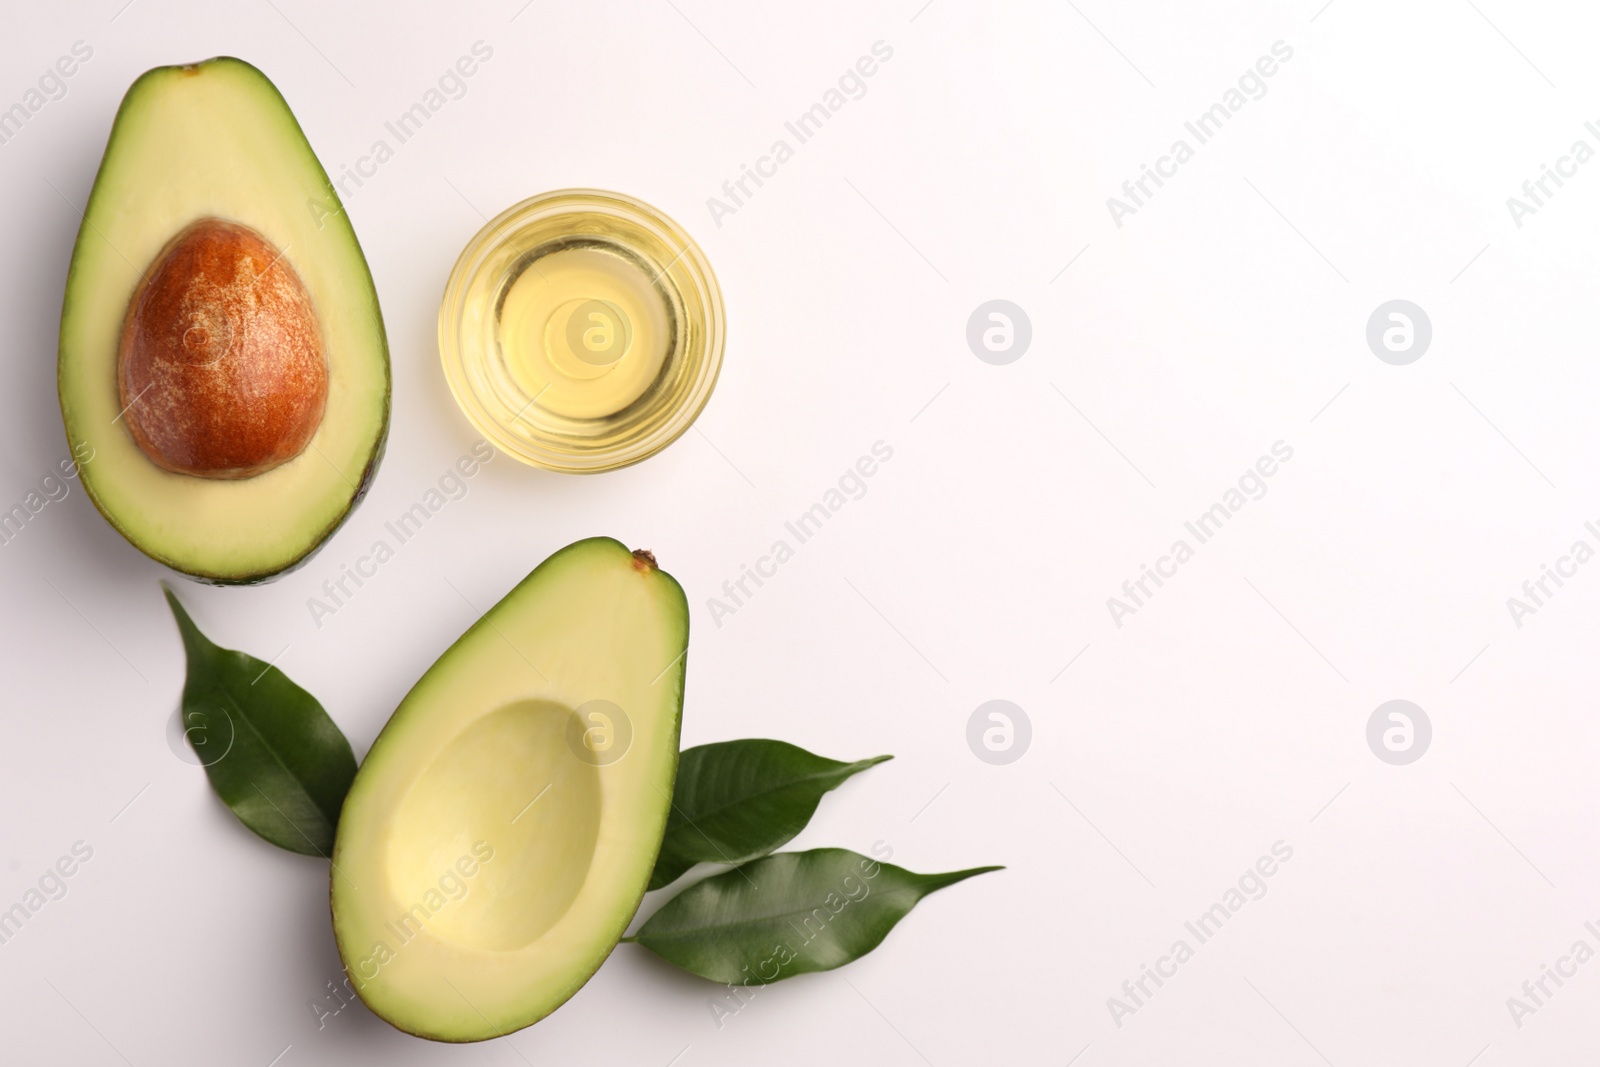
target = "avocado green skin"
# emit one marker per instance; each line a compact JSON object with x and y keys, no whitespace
{"x":484,"y":621}
{"x":371,"y":470}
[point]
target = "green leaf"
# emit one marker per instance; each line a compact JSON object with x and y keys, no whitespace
{"x":787,"y":914}
{"x":737,"y":800}
{"x":271,"y":752}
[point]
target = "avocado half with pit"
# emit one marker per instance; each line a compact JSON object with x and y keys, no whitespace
{"x":223,"y":370}
{"x":502,"y":830}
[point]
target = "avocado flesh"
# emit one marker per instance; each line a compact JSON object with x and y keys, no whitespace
{"x":482,"y":869}
{"x":216,"y":139}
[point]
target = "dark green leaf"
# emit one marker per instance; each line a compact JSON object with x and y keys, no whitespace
{"x":787,"y":914}
{"x":737,"y":800}
{"x":271,"y":752}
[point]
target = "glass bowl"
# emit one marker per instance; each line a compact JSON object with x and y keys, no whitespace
{"x":538,"y":344}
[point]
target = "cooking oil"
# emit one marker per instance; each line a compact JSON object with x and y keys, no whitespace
{"x":585,"y":329}
{"x":581,"y":331}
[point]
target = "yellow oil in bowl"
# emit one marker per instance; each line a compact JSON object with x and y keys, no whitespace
{"x":581,"y":331}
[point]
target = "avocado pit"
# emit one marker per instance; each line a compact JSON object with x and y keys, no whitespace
{"x":221,"y":367}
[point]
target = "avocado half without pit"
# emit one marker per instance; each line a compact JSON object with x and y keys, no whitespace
{"x":501,"y":832}
{"x":223,"y":370}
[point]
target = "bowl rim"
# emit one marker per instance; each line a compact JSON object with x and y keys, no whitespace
{"x":503,"y":228}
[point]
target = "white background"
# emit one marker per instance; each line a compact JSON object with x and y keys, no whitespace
{"x":1226,"y":715}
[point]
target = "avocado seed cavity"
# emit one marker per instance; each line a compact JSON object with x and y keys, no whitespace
{"x":221,"y":366}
